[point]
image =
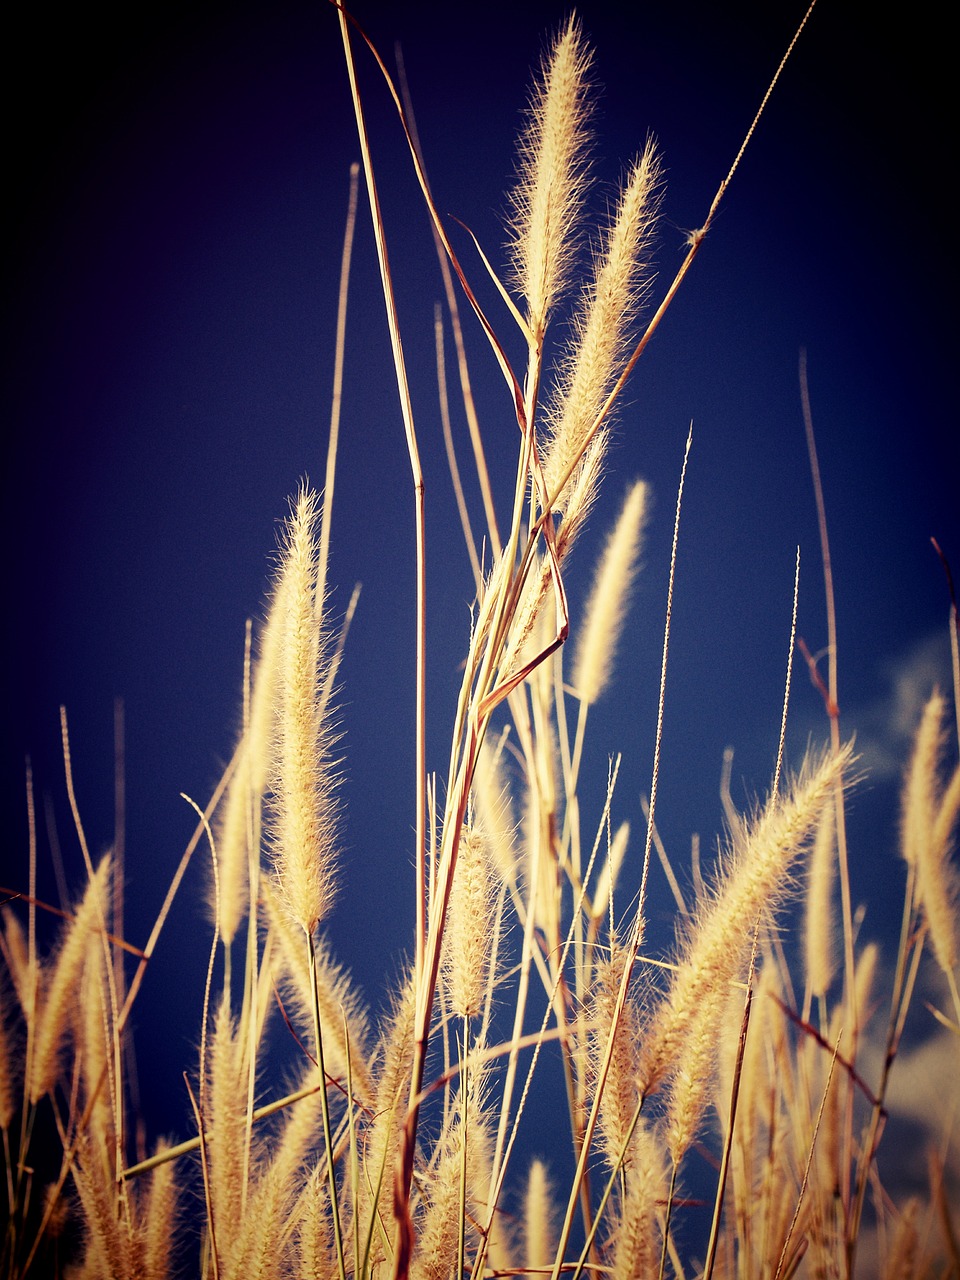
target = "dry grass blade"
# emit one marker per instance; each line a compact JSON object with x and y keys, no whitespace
{"x":422,"y":1152}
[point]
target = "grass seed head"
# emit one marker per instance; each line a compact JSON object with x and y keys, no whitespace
{"x":304,"y":805}
{"x":554,"y":151}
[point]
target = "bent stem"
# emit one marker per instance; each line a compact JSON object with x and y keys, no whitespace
{"x":325,"y":1106}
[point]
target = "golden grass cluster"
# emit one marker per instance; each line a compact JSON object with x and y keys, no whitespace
{"x":403,"y":1149}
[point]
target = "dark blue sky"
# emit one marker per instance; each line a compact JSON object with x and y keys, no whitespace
{"x":177,"y":199}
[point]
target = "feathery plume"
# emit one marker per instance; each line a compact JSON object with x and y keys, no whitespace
{"x":63,"y":985}
{"x":904,"y":1254}
{"x":690,"y":1082}
{"x":232,"y":838}
{"x":607,"y":604}
{"x":592,"y":365}
{"x":16,"y":953}
{"x":470,"y":925}
{"x":553,"y":173}
{"x":460,"y":1174}
{"x":819,"y":916}
{"x":158,"y":1221}
{"x":719,"y":941}
{"x":315,"y":1236}
{"x":135,"y":1243}
{"x":257,"y":1237}
{"x":940,"y":881}
{"x":238,"y":819}
{"x":108,"y":1234}
{"x":491,"y":798}
{"x":225,"y":1122}
{"x":439,"y":1234}
{"x":620,"y":1096}
{"x":929,"y":816}
{"x":93,"y":1036}
{"x":919,"y":804}
{"x":9,"y":1072}
{"x":304,"y":805}
{"x":538,"y":1214}
{"x":636,"y":1249}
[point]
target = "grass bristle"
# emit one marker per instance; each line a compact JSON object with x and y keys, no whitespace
{"x":539,"y":1023}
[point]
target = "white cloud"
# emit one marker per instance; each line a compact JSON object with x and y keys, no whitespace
{"x":886,"y":726}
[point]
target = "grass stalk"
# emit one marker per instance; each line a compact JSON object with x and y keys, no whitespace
{"x":434,"y":1112}
{"x":325,"y":1108}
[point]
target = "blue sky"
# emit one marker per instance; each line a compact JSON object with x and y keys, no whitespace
{"x":178,"y":206}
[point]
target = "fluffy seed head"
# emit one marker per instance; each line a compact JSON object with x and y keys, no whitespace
{"x":719,"y":941}
{"x":552,"y":174}
{"x":538,"y":1214}
{"x":304,"y":803}
{"x":593,"y":361}
{"x":64,"y":984}
{"x":819,"y":922}
{"x":239,"y":815}
{"x":929,"y":817}
{"x":470,"y":925}
{"x":606,"y":607}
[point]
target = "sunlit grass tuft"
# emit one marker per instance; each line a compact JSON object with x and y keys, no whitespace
{"x":735,"y":1061}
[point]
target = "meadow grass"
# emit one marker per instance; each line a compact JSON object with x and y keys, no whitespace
{"x":734,"y":1060}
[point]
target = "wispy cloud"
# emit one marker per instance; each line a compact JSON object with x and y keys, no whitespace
{"x":885,"y":727}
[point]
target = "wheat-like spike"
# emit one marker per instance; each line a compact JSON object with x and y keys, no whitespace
{"x":494,"y":810}
{"x":940,"y":880}
{"x":829,"y":1152}
{"x":158,"y":1221}
{"x":607,"y":604}
{"x":470,"y":926}
{"x":554,"y":151}
{"x":473,"y":1117}
{"x":620,"y":1096}
{"x":920,"y":793}
{"x":439,"y":1235}
{"x":316,"y":1255}
{"x":607,"y":311}
{"x":261,"y":731}
{"x":636,"y":1233}
{"x":928,"y":818}
{"x":225,"y":1124}
{"x":251,"y":777}
{"x":262,"y":1243}
{"x":257,"y":1238}
{"x":232,"y":850}
{"x":92,"y":1035}
{"x":866,"y":972}
{"x":756,"y":1088}
{"x":304,"y":803}
{"x":63,"y":984}
{"x":689,"y":1089}
{"x":719,"y":940}
{"x":13,"y":943}
{"x":539,"y":1212}
{"x":10,"y":1061}
{"x":111,"y":1245}
{"x":255,"y":753}
{"x":299,"y":1137}
{"x":819,"y":924}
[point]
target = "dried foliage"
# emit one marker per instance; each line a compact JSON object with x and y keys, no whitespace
{"x":404,"y":1151}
